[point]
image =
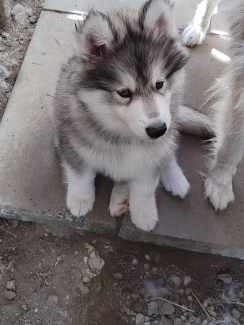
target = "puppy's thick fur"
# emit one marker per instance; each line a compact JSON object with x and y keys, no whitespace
{"x":116,"y":107}
{"x":229,"y":117}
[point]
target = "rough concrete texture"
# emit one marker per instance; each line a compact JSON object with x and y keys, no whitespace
{"x":30,"y":175}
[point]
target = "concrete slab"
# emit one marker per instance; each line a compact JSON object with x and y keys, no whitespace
{"x":192,"y":224}
{"x":30,"y":178}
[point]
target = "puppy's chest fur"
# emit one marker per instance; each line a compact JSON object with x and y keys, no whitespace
{"x":123,"y":161}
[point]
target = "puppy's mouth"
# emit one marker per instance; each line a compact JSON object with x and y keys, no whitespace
{"x":156,"y":131}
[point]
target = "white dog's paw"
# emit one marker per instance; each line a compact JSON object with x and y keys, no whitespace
{"x":119,"y":201}
{"x":174,"y":181}
{"x":80,"y":204}
{"x":193,"y":35}
{"x":145,"y":216}
{"x":219,"y":194}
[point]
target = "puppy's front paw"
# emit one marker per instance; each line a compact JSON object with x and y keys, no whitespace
{"x":174,"y":181}
{"x":145,"y":217}
{"x":193,"y":35}
{"x":219,"y":194}
{"x":80,"y":204}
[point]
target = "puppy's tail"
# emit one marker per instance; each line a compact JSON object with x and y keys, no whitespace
{"x":193,"y":122}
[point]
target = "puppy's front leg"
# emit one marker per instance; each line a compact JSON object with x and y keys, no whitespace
{"x":173,"y":179}
{"x":80,"y":195}
{"x":142,"y":202}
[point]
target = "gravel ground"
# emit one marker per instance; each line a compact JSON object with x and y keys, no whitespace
{"x":53,"y":276}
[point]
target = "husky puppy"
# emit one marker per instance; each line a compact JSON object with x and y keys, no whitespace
{"x":115,"y":111}
{"x":229,"y":117}
{"x":196,"y":32}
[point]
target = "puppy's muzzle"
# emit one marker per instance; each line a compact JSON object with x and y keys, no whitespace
{"x":156,"y":130}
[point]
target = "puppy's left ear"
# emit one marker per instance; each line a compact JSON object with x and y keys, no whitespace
{"x":156,"y":16}
{"x":94,"y":36}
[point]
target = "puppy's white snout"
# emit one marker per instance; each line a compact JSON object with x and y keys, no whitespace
{"x":156,"y":130}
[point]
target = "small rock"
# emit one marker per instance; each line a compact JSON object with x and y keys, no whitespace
{"x":139,"y":319}
{"x":134,"y":262}
{"x":86,"y":279}
{"x":84,"y":289}
{"x":52,"y":300}
{"x":167,"y":309}
{"x":95,"y":262}
{"x":236,"y":314}
{"x":24,"y":307}
{"x":147,"y":257}
{"x":9,"y":295}
{"x":175,"y":280}
{"x":187,"y":280}
{"x":11,"y":285}
{"x":20,"y":13}
{"x":225,"y":278}
{"x":33,"y":19}
{"x":118,"y":276}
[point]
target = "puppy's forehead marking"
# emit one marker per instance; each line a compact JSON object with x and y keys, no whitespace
{"x":127,"y":81}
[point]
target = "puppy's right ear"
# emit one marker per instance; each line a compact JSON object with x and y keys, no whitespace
{"x":94,"y":36}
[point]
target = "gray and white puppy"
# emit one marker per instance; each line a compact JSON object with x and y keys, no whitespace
{"x":115,"y":111}
{"x":228,"y":117}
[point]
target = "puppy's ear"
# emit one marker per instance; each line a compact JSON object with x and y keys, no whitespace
{"x":94,"y":36}
{"x":156,"y":16}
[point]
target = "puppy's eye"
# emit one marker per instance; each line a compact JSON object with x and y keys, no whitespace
{"x":159,"y":84}
{"x":125,"y":93}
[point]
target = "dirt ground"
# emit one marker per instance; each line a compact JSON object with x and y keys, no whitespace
{"x":51,"y":275}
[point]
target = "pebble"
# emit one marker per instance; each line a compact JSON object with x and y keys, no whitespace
{"x":134,"y":262}
{"x":147,"y":257}
{"x":20,"y":13}
{"x":95,"y":262}
{"x":11,"y":285}
{"x":139,"y":319}
{"x":52,"y":300}
{"x":86,"y":279}
{"x":84,"y":289}
{"x":33,"y":19}
{"x":24,"y":307}
{"x":167,"y":309}
{"x":118,"y":276}
{"x":9,"y":295}
{"x":187,"y":281}
{"x":236,"y":314}
{"x":175,"y":280}
{"x":225,"y":278}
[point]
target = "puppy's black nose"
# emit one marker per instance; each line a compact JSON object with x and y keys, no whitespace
{"x":156,"y":130}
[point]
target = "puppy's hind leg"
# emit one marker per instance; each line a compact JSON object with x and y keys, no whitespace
{"x":80,"y":195}
{"x":173,"y":179}
{"x":196,"y":32}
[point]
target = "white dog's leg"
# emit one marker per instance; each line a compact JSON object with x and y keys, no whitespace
{"x":196,"y":32}
{"x":173,"y":179}
{"x":228,"y":149}
{"x":80,"y":195}
{"x":119,"y":201}
{"x":142,"y":202}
